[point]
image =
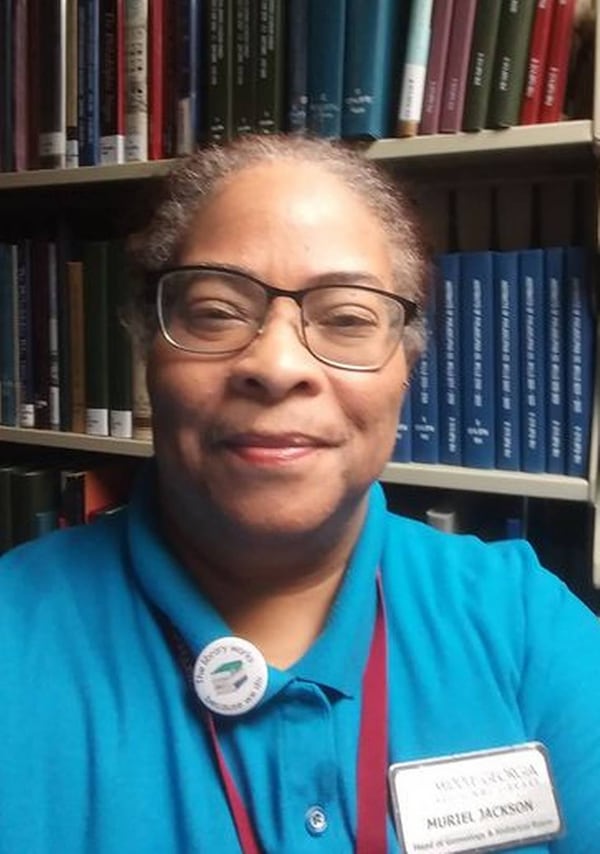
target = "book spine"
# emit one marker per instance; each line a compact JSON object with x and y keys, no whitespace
{"x":478,"y":357}
{"x":20,"y":82}
{"x":559,"y":48}
{"x":479,"y":76}
{"x":402,"y":452}
{"x":142,"y":413}
{"x":35,"y":502}
{"x":95,"y":284}
{"x":424,"y":394}
{"x":169,"y":80}
{"x":72,"y":95}
{"x":26,"y":388}
{"x":556,"y":422}
{"x":297,"y":67}
{"x":269,"y":78}
{"x":8,"y":390}
{"x":436,"y":64}
{"x":6,"y":87}
{"x":507,"y":335}
{"x":536,"y":62}
{"x":74,"y":274}
{"x":245,"y":48}
{"x":112,"y":81}
{"x":410,"y":108}
{"x":54,"y":379}
{"x":326,"y":39}
{"x":63,"y":253}
{"x":157,"y":47}
{"x":34,"y":76}
{"x":448,"y":333}
{"x":219,"y":89}
{"x":187,"y":75}
{"x":580,"y":361}
{"x":40,"y":326}
{"x":136,"y":76}
{"x":53,"y":120}
{"x":510,"y":63}
{"x":119,"y":357}
{"x":533,"y":356}
{"x":455,"y":80}
{"x":89,"y":82}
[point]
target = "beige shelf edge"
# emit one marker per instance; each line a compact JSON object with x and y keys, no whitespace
{"x":76,"y":441}
{"x":488,"y":480}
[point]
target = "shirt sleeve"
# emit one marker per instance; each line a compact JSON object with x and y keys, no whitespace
{"x":560,"y":700}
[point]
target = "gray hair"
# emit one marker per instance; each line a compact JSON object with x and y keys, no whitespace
{"x":193,"y":179}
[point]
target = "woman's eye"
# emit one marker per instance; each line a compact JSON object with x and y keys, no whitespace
{"x":348,"y":319}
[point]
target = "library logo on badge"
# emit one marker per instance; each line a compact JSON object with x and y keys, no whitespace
{"x":230,"y":676}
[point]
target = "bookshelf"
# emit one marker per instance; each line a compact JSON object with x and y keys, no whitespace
{"x":570,"y":148}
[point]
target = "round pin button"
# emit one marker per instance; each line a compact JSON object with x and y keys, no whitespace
{"x":315,"y":820}
{"x":230,"y":676}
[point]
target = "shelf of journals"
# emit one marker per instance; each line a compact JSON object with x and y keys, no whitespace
{"x":409,"y":474}
{"x":572,"y":138}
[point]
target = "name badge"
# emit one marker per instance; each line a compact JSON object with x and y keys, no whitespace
{"x":479,"y":801}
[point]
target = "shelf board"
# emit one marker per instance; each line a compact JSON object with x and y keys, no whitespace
{"x":568,"y":137}
{"x":76,"y":441}
{"x":488,"y":480}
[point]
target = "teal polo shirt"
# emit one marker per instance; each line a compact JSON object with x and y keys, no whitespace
{"x":101,"y":747}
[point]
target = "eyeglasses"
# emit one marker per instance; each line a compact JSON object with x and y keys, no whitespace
{"x":219,"y":311}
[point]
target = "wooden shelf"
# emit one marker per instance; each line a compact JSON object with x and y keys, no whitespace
{"x":76,"y":441}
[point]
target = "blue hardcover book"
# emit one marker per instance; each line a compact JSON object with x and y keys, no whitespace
{"x":8,"y":335}
{"x":556,"y":421}
{"x":26,"y":390}
{"x":449,"y":373}
{"x":580,"y":360}
{"x":297,"y":65}
{"x":507,"y":336}
{"x":533,"y":360}
{"x":402,"y":452}
{"x":326,"y":36}
{"x":88,"y":81}
{"x":424,"y":394}
{"x":370,"y":68}
{"x":187,"y":42}
{"x":478,"y":356}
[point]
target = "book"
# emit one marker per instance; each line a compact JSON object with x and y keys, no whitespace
{"x":188,"y":49}
{"x":536,"y":62}
{"x":54,"y":364}
{"x":72,"y":85}
{"x":478,"y":357}
{"x":557,"y":63}
{"x":34,"y":85}
{"x":326,"y":45}
{"x":424,"y":396}
{"x":449,"y":361}
{"x":507,"y":337}
{"x":51,"y":45}
{"x":63,"y":255}
{"x":35,"y":501}
{"x":20,"y":85}
{"x":372,"y":48}
{"x":296,"y":93}
{"x":168,"y":74}
{"x":554,"y":313}
{"x":481,"y":59}
{"x":76,"y":377}
{"x":40,"y":328}
{"x":533,"y":360}
{"x":86,"y":492}
{"x":443,"y":518}
{"x":112,"y":81}
{"x":269,"y":79}
{"x":142,"y":413}
{"x":136,"y":78}
{"x":441,"y":20}
{"x":218,"y":88}
{"x":6,"y":87}
{"x":95,"y":304}
{"x":119,"y":357}
{"x":6,"y":525}
{"x":26,"y":392}
{"x":245,"y":49}
{"x":9,"y":354}
{"x":414,"y":72}
{"x":158,"y":45}
{"x":88,"y":58}
{"x":455,"y":77}
{"x":579,"y":360}
{"x":402,"y":451}
{"x":510,"y":63}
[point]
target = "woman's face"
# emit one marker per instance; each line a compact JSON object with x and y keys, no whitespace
{"x":269,"y":438}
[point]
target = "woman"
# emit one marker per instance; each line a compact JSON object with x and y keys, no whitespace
{"x":237,"y":660}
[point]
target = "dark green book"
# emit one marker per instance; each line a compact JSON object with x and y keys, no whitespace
{"x":479,"y":79}
{"x":219,"y":70}
{"x":120,"y":353}
{"x":35,"y":499}
{"x":510,"y":62}
{"x":269,"y":79}
{"x":95,"y":301}
{"x":244,"y":66}
{"x":6,"y":527}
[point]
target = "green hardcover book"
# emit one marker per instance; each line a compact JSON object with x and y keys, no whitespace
{"x":269,"y":81}
{"x":510,"y":62}
{"x":479,"y":79}
{"x":35,"y":502}
{"x":95,"y":302}
{"x":119,"y":356}
{"x":219,"y":70}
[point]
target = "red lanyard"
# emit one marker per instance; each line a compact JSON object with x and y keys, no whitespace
{"x":371,"y":834}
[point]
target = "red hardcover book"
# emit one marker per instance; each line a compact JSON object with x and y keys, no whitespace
{"x":557,"y":64}
{"x":538,"y":52}
{"x":457,"y":67}
{"x":441,"y":20}
{"x":112,"y":81}
{"x":169,"y":81}
{"x":156,"y":77}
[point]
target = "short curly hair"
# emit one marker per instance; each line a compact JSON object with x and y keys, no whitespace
{"x":193,"y":179}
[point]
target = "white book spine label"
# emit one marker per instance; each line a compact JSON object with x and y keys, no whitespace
{"x":96,"y":422}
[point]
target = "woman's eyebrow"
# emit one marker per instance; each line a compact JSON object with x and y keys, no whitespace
{"x":346,"y":277}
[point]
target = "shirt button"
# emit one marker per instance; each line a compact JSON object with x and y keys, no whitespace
{"x":315,"y":821}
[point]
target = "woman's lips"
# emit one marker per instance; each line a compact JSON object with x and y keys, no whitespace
{"x":273,"y":448}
